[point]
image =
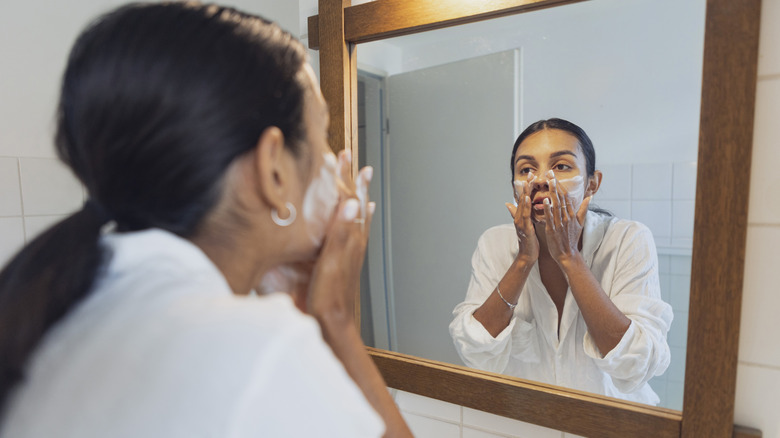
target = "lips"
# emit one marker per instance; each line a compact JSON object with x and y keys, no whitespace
{"x":538,"y":203}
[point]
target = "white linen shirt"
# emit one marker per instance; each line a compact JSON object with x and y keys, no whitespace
{"x":621,"y":255}
{"x":162,"y":348}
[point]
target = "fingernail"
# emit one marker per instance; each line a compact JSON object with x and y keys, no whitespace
{"x":371,"y":207}
{"x":531,"y":176}
{"x":368,"y":173}
{"x":350,"y":210}
{"x":348,"y":155}
{"x":528,"y":199}
{"x":550,"y":174}
{"x":546,"y":201}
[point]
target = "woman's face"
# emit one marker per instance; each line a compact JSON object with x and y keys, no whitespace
{"x":556,"y":150}
{"x":322,"y":194}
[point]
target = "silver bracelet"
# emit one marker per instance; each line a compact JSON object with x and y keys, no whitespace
{"x":511,"y":306}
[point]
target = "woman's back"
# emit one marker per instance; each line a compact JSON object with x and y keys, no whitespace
{"x":162,"y":347}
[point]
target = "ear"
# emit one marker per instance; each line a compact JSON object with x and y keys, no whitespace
{"x":275,"y":170}
{"x":594,"y":182}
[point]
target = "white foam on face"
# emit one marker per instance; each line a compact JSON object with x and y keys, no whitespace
{"x":321,"y":199}
{"x":575,"y":187}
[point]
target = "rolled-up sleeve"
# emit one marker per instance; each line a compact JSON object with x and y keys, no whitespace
{"x":475,"y":345}
{"x":643,"y":351}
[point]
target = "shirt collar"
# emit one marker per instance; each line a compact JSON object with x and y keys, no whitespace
{"x":154,"y":250}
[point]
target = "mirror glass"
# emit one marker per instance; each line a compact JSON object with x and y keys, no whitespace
{"x":438,"y":115}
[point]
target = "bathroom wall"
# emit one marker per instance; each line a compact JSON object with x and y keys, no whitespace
{"x":661,"y":196}
{"x":35,"y":36}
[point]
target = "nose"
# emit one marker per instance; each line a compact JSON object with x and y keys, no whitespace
{"x":540,"y":182}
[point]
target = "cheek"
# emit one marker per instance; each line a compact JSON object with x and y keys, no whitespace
{"x":321,"y":199}
{"x":575,"y":188}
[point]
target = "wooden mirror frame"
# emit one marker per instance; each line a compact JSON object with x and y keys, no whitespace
{"x":725,"y":146}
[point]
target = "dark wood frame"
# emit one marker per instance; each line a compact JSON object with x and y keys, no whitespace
{"x":725,"y":146}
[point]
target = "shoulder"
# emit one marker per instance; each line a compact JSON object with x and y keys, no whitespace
{"x":628,"y":230}
{"x":498,"y":234}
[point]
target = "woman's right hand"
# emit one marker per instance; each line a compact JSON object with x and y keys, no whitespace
{"x":524,"y":227}
{"x":334,"y":282}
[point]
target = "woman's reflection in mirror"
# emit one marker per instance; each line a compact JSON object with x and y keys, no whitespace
{"x":566,"y":294}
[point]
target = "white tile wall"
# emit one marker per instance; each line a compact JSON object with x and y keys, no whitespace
{"x":758,"y":398}
{"x":618,"y":208}
{"x":615,"y":183}
{"x":11,"y":237}
{"x":34,"y":225}
{"x":682,"y":220}
{"x":506,"y":426}
{"x":49,"y":187}
{"x":657,"y":215}
{"x":424,"y":406}
{"x":10,"y":192}
{"x":684,"y":181}
{"x":758,"y":373}
{"x":660,"y":195}
{"x":769,"y":44}
{"x":423,"y":427}
{"x":764,"y":177}
{"x":474,"y":433}
{"x":759,"y":333}
{"x":651,"y":181}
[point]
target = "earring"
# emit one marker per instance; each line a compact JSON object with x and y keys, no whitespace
{"x":283,"y":222}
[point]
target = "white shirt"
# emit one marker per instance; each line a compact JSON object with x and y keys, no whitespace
{"x":163,"y":348}
{"x":621,"y":255}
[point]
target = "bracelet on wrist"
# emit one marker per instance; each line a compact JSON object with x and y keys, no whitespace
{"x":511,"y":306}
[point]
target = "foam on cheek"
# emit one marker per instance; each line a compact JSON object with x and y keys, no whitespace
{"x":574,"y":187}
{"x":321,"y":199}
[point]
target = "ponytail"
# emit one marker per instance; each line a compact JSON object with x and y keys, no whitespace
{"x":41,"y":284}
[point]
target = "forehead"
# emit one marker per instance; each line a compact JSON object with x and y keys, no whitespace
{"x":540,"y":144}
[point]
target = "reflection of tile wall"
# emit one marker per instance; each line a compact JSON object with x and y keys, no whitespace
{"x":675,"y":276}
{"x":660,"y":196}
{"x":34,"y":194}
{"x":434,"y":418}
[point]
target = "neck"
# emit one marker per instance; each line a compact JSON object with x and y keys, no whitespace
{"x":241,"y":265}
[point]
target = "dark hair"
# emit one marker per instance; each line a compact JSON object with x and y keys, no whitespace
{"x":564,"y":125}
{"x":157,"y":100}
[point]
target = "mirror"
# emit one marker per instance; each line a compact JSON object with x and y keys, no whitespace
{"x":455,"y":100}
{"x":725,"y":142}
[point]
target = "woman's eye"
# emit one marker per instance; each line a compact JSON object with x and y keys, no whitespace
{"x":525,"y":170}
{"x":561,"y":167}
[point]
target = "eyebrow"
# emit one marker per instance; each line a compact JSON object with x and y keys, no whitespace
{"x":552,"y":155}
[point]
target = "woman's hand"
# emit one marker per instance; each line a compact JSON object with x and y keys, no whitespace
{"x":524,"y":227}
{"x":563,"y":226}
{"x":335,"y":276}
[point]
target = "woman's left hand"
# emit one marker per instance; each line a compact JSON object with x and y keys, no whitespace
{"x":563,"y":225}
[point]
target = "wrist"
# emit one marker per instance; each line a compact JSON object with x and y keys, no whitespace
{"x":523,"y":264}
{"x":570,"y":261}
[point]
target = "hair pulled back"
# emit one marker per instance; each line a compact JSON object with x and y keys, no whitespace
{"x":157,"y":100}
{"x":563,"y":125}
{"x":582,"y":138}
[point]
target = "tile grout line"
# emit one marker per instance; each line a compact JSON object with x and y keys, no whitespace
{"x":763,"y":224}
{"x":758,"y":365}
{"x":21,"y":197}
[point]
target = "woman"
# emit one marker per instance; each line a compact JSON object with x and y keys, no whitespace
{"x":564,"y":295}
{"x":199,"y":133}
